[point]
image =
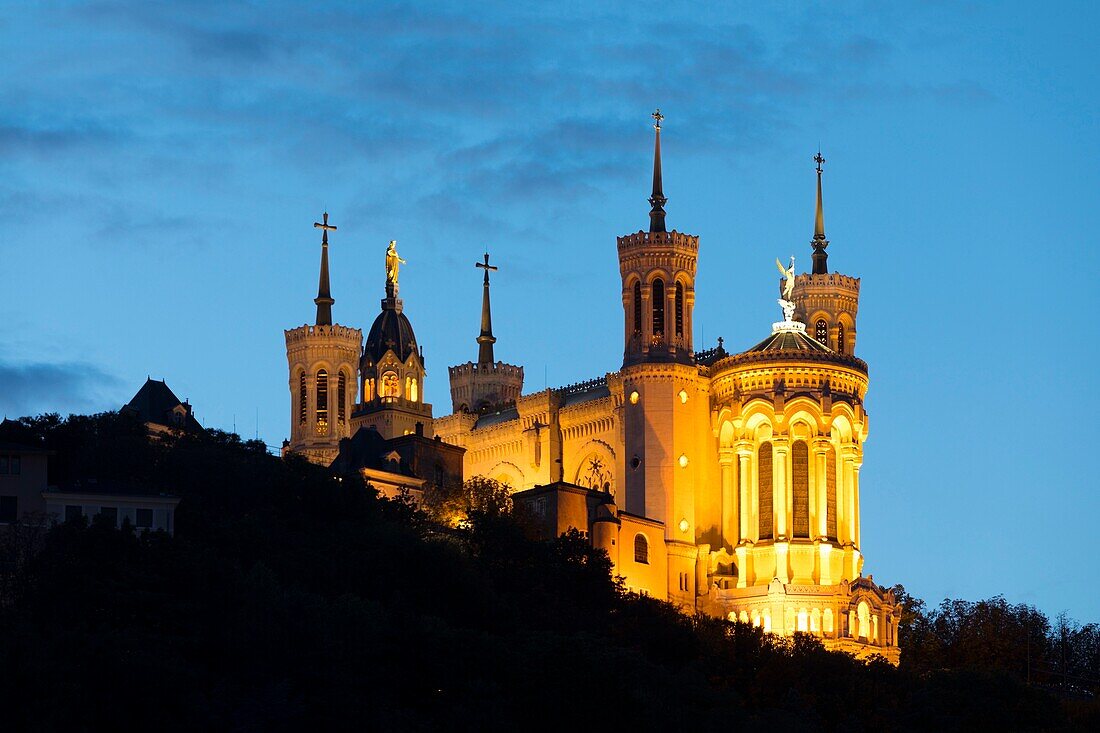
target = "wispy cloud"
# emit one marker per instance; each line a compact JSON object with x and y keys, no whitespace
{"x":34,"y":388}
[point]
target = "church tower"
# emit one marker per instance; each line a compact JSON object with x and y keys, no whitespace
{"x":664,"y":409}
{"x":391,"y":371}
{"x":487,"y":384}
{"x":322,"y":359}
{"x":826,"y":302}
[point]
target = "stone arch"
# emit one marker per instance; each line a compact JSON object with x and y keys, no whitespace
{"x":507,"y":473}
{"x":726,"y":434}
{"x":596,"y":466}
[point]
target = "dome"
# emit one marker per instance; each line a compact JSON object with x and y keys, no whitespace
{"x":790,"y":340}
{"x":391,"y":330}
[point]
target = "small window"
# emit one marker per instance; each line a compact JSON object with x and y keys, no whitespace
{"x":303,"y":410}
{"x":641,"y":549}
{"x":840,"y":338}
{"x":9,"y":508}
{"x":110,"y":515}
{"x":341,"y":398}
{"x":679,"y":309}
{"x":637,"y":308}
{"x":73,"y":512}
{"x":822,"y":331}
{"x":16,"y":465}
{"x":322,"y":401}
{"x":3,"y":464}
{"x":144,"y":518}
{"x":658,"y":310}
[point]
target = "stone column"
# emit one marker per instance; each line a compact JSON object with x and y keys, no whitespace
{"x":820,"y":521}
{"x":780,"y":490}
{"x":855,"y":500}
{"x":848,"y":461}
{"x":730,"y":525}
{"x":747,"y":490}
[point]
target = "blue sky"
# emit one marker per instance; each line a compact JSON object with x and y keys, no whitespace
{"x":161,"y":166}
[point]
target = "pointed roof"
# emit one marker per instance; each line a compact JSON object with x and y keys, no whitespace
{"x":155,"y":403}
{"x":820,"y":258}
{"x":657,"y":199}
{"x":486,"y":339}
{"x":324,"y":298}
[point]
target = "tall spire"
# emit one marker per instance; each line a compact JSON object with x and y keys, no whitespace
{"x":486,"y":339}
{"x":820,"y":258}
{"x":657,"y":200}
{"x":324,"y":299}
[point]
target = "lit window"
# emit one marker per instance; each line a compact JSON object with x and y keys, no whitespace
{"x":341,"y":398}
{"x":822,"y":331}
{"x":683,"y":461}
{"x":634,"y":397}
{"x":390,"y":385}
{"x":658,"y":310}
{"x":414,"y":391}
{"x":641,"y":549}
{"x":322,"y":401}
{"x":683,"y":397}
{"x":303,"y":410}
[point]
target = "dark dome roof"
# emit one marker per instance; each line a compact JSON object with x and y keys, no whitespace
{"x":790,"y":341}
{"x":391,"y":330}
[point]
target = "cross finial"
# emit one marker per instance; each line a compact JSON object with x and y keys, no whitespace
{"x":486,"y":266}
{"x":819,"y":160}
{"x":325,"y":227}
{"x":658,"y":117}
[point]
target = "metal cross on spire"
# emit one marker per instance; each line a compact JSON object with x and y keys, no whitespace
{"x":657,"y":116}
{"x":486,"y":339}
{"x":325,"y":227}
{"x":819,"y":160}
{"x":324,"y":299}
{"x":486,"y":266}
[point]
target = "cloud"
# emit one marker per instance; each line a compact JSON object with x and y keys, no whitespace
{"x":34,"y":388}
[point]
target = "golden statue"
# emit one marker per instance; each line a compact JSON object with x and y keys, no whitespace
{"x":393,"y":263}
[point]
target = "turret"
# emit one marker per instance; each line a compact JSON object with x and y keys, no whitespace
{"x":322,"y":363}
{"x":826,"y":302}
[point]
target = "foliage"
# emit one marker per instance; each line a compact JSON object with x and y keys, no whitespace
{"x":292,"y":599}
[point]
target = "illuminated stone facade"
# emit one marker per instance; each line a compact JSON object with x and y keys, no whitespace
{"x":725,"y":483}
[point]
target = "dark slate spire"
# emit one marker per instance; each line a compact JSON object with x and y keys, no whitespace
{"x":657,"y":200}
{"x":821,"y":265}
{"x":324,"y":299}
{"x":486,"y":339}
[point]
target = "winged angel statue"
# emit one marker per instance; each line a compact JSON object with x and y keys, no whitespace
{"x":788,"y":277}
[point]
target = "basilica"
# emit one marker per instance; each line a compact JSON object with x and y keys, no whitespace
{"x":723,"y":482}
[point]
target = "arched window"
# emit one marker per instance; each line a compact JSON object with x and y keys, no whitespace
{"x":800,"y":488}
{"x":303,"y":408}
{"x":342,"y":398}
{"x":322,"y":401}
{"x":764,"y":489}
{"x":641,"y":549}
{"x":679,"y":309}
{"x":840,"y":338}
{"x":822,"y":331}
{"x":637,"y":308}
{"x":863,"y":617}
{"x":658,"y":310}
{"x":830,"y":493}
{"x":414,"y":390}
{"x":390,"y":385}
